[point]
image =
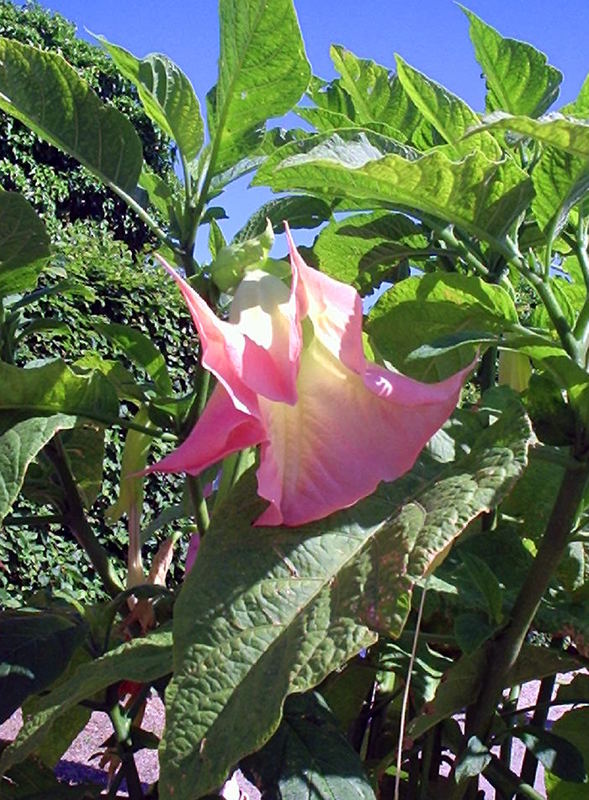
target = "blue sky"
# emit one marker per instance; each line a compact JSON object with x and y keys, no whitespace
{"x":431,"y":35}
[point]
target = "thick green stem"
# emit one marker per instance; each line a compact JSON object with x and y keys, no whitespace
{"x":504,"y":651}
{"x":74,"y":517}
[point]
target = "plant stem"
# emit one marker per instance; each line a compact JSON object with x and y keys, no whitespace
{"x":74,"y":517}
{"x":504,"y":651}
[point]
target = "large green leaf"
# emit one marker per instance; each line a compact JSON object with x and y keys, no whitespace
{"x":140,"y":660}
{"x":365,"y":248}
{"x":41,"y":89}
{"x":35,"y":648}
{"x":34,"y":781}
{"x":309,"y":758}
{"x":420,"y":310}
{"x":55,"y":388}
{"x":481,"y":196}
{"x":266,"y":612}
{"x":570,"y":135}
{"x":24,"y":244}
{"x":299,"y":212}
{"x":263,"y":71}
{"x":167,"y":96}
{"x":572,"y":726}
{"x":580,"y":105}
{"x":519,"y":79}
{"x":18,"y":447}
{"x":450,"y":116}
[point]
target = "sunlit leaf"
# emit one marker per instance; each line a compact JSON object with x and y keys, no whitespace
{"x":41,"y":89}
{"x":267,"y":612}
{"x":519,"y":79}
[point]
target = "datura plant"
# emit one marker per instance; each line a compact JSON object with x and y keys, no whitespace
{"x":382,"y":458}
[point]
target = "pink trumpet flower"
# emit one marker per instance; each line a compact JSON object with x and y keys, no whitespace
{"x":293,"y":378}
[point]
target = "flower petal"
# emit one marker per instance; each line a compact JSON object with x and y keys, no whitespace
{"x":345,"y":435}
{"x":241,"y":364}
{"x":221,"y":430}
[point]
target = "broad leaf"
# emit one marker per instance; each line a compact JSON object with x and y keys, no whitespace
{"x":560,"y":181}
{"x":41,"y":89}
{"x":267,"y":612}
{"x":24,"y":244}
{"x":309,"y":757}
{"x":519,"y":79}
{"x":167,"y":96}
{"x":140,"y":350}
{"x":263,"y":71}
{"x":34,"y":781}
{"x":570,"y":135}
{"x":141,"y":660}
{"x":420,"y":310}
{"x":572,"y":726}
{"x":18,"y":447}
{"x":450,"y":116}
{"x":54,"y":388}
{"x":35,"y":648}
{"x":481,"y":196}
{"x":554,"y":752}
{"x":580,"y":106}
{"x":364,"y":249}
{"x":299,"y":212}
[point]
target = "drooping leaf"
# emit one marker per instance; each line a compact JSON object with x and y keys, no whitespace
{"x":560,"y":181}
{"x":263,"y":71}
{"x":450,"y":116}
{"x":299,"y":212}
{"x":554,"y":752}
{"x":33,"y":781}
{"x":18,"y":447}
{"x":519,"y":79}
{"x":570,"y":135}
{"x":481,"y":196}
{"x":134,"y":459}
{"x":41,"y":89}
{"x":140,"y":350}
{"x":309,"y":757}
{"x":364,"y":248}
{"x":24,"y":244}
{"x":141,"y":660}
{"x":54,"y":388}
{"x":419,"y":310}
{"x":294,"y":604}
{"x":167,"y":96}
{"x":35,"y":648}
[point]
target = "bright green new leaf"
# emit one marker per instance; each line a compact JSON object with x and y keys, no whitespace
{"x":263,"y":71}
{"x":519,"y":79}
{"x":232,"y":261}
{"x":41,"y":89}
{"x":18,"y":447}
{"x":369,"y":85}
{"x":580,"y":106}
{"x":421,"y":310}
{"x":266,"y":612}
{"x":142,"y":660}
{"x":140,"y":350}
{"x":309,"y":757}
{"x":35,"y":648}
{"x":365,"y":249}
{"x":24,"y":244}
{"x":481,"y":196}
{"x":55,"y":388}
{"x":167,"y":96}
{"x":450,"y":116}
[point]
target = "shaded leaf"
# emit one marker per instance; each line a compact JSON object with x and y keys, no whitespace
{"x":35,"y":648}
{"x":519,"y":79}
{"x":167,"y":96}
{"x":299,"y":212}
{"x":34,"y":781}
{"x":24,"y":244}
{"x":18,"y":447}
{"x":554,"y":752}
{"x":308,"y":758}
{"x":141,"y":660}
{"x":267,"y":612}
{"x":41,"y":89}
{"x":570,"y":135}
